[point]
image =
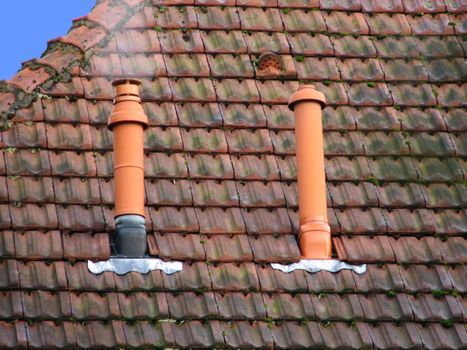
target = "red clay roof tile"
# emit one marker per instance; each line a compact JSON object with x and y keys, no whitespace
{"x":416,"y":250}
{"x":431,"y":24}
{"x":204,"y":141}
{"x":198,"y":334}
{"x":192,"y":278}
{"x":388,"y":6}
{"x":7,"y":244}
{"x":381,"y":307}
{"x":37,"y":245}
{"x":388,"y":24}
{"x":30,"y":79}
{"x":80,"y":218}
{"x":93,"y":306}
{"x":436,"y":336}
{"x":265,"y":19}
{"x":11,"y":305}
{"x":34,"y":216}
{"x":346,"y":23}
{"x":48,"y":334}
{"x":414,"y":119}
{"x":204,"y":166}
{"x":293,"y":335}
{"x":267,"y":221}
{"x":450,"y":221}
{"x":386,"y":335}
{"x":146,"y":334}
{"x":265,"y":248}
{"x":349,"y":46}
{"x":27,"y":162}
{"x":397,"y":47}
{"x":46,"y":305}
{"x":211,"y":193}
{"x":274,"y":281}
{"x":178,"y":246}
{"x":81,"y":279}
{"x":338,"y":334}
{"x":285,"y":306}
{"x":222,"y":248}
{"x":42,"y":275}
{"x":86,"y":246}
{"x":84,"y":37}
{"x":310,"y":44}
{"x":140,"y":305}
{"x":238,"y":306}
{"x":248,"y":335}
{"x":24,"y":189}
{"x":170,"y":219}
{"x":383,"y":278}
{"x":133,"y":281}
{"x":429,"y":308}
{"x":97,"y":333}
{"x":261,"y":42}
{"x":220,"y":221}
{"x":349,"y":307}
{"x":425,"y":278}
{"x":303,"y":21}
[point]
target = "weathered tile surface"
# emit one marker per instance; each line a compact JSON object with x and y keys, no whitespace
{"x":221,"y":190}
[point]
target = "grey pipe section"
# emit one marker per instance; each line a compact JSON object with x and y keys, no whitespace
{"x":130,"y":237}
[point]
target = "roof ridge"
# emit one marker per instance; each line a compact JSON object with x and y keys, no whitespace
{"x":41,"y":74}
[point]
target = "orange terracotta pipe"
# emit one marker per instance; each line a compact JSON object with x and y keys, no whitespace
{"x":315,"y":233}
{"x":128,"y":122}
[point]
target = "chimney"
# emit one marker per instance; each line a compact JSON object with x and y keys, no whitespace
{"x":315,"y":233}
{"x":128,"y":122}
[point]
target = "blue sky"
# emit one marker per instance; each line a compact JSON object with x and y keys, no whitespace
{"x":26,"y":26}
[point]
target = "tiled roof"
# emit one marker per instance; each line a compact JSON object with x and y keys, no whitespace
{"x":221,"y":177}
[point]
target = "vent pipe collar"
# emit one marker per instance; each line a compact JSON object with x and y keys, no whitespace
{"x":131,"y":235}
{"x":306,"y":93}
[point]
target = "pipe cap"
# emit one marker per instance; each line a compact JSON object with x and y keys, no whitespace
{"x":306,"y":93}
{"x":127,"y":104}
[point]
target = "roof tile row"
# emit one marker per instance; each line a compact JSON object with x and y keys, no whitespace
{"x":288,"y":335}
{"x":390,"y":277}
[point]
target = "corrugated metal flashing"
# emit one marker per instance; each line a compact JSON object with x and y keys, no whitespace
{"x":121,"y":266}
{"x":318,"y":265}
